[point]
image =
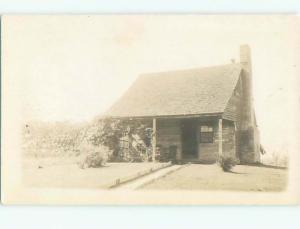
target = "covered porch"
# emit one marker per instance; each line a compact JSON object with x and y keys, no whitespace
{"x":193,"y":139}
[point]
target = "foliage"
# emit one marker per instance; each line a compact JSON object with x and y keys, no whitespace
{"x":51,"y":139}
{"x":93,"y":156}
{"x":66,"y":139}
{"x":108,"y":132}
{"x":227,"y":163}
{"x":276,"y":158}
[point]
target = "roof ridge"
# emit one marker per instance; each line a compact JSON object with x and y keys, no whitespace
{"x":189,"y":69}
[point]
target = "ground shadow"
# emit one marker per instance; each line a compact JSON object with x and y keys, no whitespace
{"x":267,"y":166}
{"x":235,"y":172}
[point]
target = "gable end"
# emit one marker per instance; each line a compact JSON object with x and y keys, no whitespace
{"x":233,"y":108}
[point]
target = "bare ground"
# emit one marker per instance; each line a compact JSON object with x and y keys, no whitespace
{"x":211,"y":177}
{"x":64,"y":173}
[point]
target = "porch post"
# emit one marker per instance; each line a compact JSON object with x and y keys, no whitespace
{"x":220,"y":137}
{"x":154,"y":140}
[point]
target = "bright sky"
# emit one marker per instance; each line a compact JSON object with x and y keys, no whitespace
{"x":74,"y":67}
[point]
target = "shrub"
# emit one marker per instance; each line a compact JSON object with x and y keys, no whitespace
{"x":109,"y":132}
{"x":93,"y":160}
{"x":227,"y":163}
{"x":94,"y":157}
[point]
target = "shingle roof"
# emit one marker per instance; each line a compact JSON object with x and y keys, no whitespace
{"x":184,"y":92}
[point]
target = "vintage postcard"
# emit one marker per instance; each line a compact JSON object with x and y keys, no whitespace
{"x":150,"y":109}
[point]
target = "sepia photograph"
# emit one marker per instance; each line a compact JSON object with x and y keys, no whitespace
{"x":150,"y":109}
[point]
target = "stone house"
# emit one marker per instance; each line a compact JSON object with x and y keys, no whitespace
{"x":197,"y":113}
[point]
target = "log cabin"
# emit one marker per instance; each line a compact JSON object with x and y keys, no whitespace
{"x":198,"y":114}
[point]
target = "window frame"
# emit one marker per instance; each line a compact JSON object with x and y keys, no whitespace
{"x":206,"y":134}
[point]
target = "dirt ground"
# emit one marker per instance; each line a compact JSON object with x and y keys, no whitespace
{"x":211,"y":177}
{"x":64,"y":173}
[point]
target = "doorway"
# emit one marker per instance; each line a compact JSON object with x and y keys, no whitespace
{"x":189,"y":139}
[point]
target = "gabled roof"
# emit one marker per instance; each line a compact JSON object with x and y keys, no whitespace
{"x":184,"y":92}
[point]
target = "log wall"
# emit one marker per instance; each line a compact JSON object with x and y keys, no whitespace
{"x":169,"y":135}
{"x":208,"y":152}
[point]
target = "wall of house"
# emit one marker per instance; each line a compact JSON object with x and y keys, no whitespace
{"x":240,"y":109}
{"x":229,"y":139}
{"x":169,"y":135}
{"x":208,"y":152}
{"x":234,"y":108}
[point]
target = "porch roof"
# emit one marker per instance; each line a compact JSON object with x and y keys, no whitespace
{"x":179,"y":93}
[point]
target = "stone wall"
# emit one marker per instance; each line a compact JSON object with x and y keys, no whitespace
{"x":249,"y":146}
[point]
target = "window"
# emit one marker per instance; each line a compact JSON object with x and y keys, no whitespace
{"x":206,"y":134}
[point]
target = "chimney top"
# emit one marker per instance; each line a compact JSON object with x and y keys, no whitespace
{"x":245,"y":58}
{"x":245,"y":54}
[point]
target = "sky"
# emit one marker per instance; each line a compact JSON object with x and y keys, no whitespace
{"x":73,"y":68}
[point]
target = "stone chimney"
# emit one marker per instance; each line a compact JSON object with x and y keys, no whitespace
{"x":245,"y":58}
{"x":249,"y":131}
{"x":245,"y":61}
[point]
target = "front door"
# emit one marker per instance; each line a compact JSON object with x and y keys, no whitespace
{"x":189,"y":139}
